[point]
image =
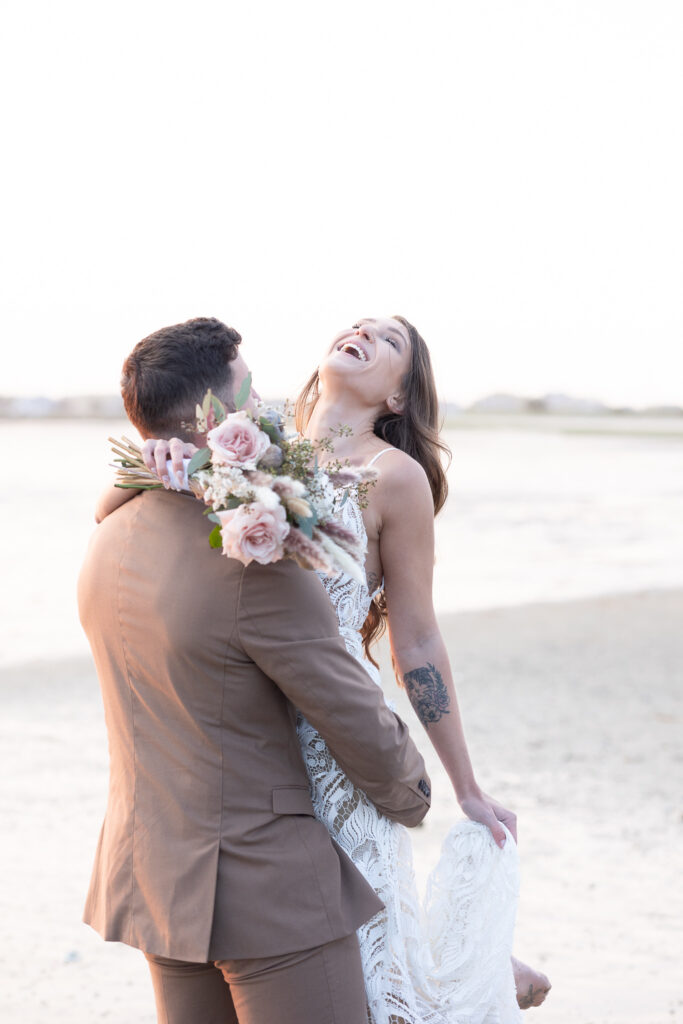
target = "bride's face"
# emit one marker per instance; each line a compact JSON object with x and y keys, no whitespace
{"x":371,"y":358}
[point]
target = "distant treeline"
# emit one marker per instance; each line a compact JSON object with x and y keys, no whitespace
{"x":111,"y":407}
{"x":559,"y":404}
{"x":86,"y":407}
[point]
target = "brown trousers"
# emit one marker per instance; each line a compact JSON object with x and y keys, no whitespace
{"x":322,"y":985}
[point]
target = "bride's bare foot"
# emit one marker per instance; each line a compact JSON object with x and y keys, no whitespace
{"x":532,"y":986}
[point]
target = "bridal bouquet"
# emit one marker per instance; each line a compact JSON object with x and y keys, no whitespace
{"x":265,"y":492}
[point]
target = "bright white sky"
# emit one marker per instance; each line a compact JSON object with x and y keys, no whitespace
{"x":505,"y":173}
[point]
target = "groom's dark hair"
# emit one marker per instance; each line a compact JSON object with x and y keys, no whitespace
{"x":168,"y":373}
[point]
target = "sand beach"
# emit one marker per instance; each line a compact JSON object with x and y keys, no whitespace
{"x":573,"y":713}
{"x":572,"y":701}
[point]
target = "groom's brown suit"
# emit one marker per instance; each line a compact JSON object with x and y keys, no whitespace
{"x":209,"y":849}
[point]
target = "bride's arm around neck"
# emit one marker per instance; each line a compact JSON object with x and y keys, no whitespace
{"x":112,"y":498}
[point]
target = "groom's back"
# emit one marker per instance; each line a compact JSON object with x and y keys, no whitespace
{"x":209,"y":847}
{"x":152,"y":581}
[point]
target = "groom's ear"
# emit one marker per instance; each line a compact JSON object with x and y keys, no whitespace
{"x":227,"y":397}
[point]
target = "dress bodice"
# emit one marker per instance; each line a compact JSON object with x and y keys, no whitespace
{"x":350,"y":598}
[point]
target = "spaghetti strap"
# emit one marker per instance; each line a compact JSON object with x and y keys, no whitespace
{"x":379,"y":455}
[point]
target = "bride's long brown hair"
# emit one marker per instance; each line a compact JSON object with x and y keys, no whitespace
{"x":415,"y":431}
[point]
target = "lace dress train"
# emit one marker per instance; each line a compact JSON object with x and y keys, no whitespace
{"x":443,"y":960}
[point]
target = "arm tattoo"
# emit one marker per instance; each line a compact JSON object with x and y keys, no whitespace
{"x":427,"y":693}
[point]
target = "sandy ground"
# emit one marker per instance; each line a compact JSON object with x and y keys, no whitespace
{"x":573,"y":713}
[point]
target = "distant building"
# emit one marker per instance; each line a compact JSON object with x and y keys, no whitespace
{"x":27,"y":408}
{"x":661,"y":411}
{"x":76,"y":407}
{"x":90,"y":407}
{"x":558,"y":404}
{"x":500,"y":403}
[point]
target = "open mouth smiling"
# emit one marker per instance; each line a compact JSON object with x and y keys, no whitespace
{"x":351,"y":349}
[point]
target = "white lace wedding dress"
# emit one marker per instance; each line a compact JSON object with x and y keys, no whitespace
{"x":444,"y":960}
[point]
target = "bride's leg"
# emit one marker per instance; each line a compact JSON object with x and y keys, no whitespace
{"x":532,"y":986}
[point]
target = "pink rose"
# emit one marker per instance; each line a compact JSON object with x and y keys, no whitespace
{"x":237,"y":441}
{"x":254,"y":533}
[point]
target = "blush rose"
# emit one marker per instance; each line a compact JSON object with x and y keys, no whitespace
{"x":254,"y":533}
{"x":237,"y":441}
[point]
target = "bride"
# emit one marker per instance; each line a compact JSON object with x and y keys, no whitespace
{"x":447,"y":962}
{"x":376,"y":378}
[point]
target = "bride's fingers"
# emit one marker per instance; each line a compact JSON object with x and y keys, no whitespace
{"x":148,"y":454}
{"x":160,"y":458}
{"x":497,"y":831}
{"x":510,"y":821}
{"x":502,"y":814}
{"x":179,"y":451}
{"x":486,"y":814}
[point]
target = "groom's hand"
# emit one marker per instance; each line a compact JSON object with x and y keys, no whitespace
{"x":480,"y":807}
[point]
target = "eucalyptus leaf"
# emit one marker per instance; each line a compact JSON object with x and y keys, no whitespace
{"x":243,"y":393}
{"x":140,"y":487}
{"x":233,"y":503}
{"x":216,"y":537}
{"x":218,"y":409}
{"x":212,"y":517}
{"x":199,"y":460}
{"x":313,"y":517}
{"x":306,"y":525}
{"x":271,"y":430}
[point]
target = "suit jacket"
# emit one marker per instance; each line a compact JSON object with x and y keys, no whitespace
{"x":209,"y":847}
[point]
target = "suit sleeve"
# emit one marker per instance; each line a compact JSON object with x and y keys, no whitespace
{"x":288,"y":628}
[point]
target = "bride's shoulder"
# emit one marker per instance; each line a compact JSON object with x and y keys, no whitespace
{"x":401,"y":478}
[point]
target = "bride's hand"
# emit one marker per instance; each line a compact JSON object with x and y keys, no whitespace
{"x":155,"y":454}
{"x":481,"y":807}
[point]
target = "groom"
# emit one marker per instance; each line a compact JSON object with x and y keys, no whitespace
{"x":210,"y":859}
